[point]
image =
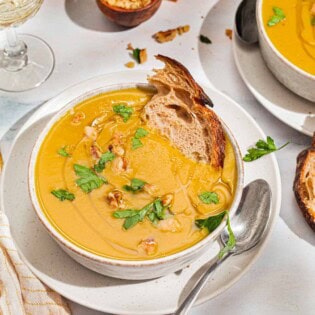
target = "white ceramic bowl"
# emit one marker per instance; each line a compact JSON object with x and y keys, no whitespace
{"x":295,"y":79}
{"x":123,"y":269}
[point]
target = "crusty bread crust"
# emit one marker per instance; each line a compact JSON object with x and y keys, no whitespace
{"x":304,"y":183}
{"x":179,"y":110}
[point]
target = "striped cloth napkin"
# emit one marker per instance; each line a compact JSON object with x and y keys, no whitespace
{"x":20,"y":291}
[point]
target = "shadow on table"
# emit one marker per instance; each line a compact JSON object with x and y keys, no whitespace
{"x":87,"y":15}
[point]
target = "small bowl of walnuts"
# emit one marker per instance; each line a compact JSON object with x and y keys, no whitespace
{"x":128,"y":13}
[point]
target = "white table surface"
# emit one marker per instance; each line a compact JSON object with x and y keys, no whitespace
{"x":86,"y":44}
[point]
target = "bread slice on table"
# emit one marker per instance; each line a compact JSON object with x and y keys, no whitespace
{"x":179,"y":112}
{"x":304,"y":183}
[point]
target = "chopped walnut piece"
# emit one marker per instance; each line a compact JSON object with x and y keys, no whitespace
{"x":130,"y":64}
{"x":169,"y":225}
{"x":149,"y":245}
{"x":149,"y":188}
{"x":90,"y":132}
{"x":130,"y":47}
{"x":115,"y":199}
{"x":143,"y":56}
{"x":119,"y":164}
{"x":167,"y":200}
{"x":95,"y":151}
{"x":116,"y":145}
{"x":78,"y":118}
{"x":313,"y":9}
{"x":169,"y":35}
{"x":229,"y":33}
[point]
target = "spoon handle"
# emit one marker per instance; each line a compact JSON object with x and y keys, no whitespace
{"x":190,"y":299}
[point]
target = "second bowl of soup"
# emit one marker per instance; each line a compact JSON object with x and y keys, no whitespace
{"x":287,"y":41}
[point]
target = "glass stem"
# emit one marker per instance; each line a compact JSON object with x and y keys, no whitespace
{"x":15,"y":52}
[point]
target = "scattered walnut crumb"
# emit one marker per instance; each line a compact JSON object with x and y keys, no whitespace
{"x":77,"y":118}
{"x":229,"y":33}
{"x":130,"y":64}
{"x":149,"y":246}
{"x":115,"y":199}
{"x":130,"y":47}
{"x":143,"y":56}
{"x":169,"y":35}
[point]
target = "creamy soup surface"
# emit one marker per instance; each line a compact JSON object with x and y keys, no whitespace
{"x":93,"y":128}
{"x":292,"y":30}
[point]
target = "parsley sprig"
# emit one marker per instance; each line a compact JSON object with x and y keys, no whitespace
{"x":124,"y":111}
{"x":262,"y":148}
{"x":63,"y":194}
{"x":209,"y":197}
{"x":135,"y":185}
{"x":211,"y":223}
{"x":277,"y":17}
{"x":135,"y":141}
{"x":154,"y":211}
{"x":87,"y":180}
{"x":105,"y":157}
{"x":63,"y":152}
{"x":204,"y":39}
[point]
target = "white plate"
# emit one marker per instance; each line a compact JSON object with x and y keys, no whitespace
{"x":216,"y":58}
{"x":58,"y":271}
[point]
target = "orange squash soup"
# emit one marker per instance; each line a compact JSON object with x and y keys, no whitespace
{"x":116,"y":188}
{"x":290,"y":25}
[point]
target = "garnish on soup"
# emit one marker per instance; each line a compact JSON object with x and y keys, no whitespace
{"x":106,"y":157}
{"x":135,"y":185}
{"x":124,"y":111}
{"x":63,"y":152}
{"x":63,"y":194}
{"x":135,"y":141}
{"x":278,"y":16}
{"x":208,"y":197}
{"x":87,"y":180}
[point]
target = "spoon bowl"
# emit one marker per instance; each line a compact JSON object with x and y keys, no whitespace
{"x":251,"y":217}
{"x":245,"y":22}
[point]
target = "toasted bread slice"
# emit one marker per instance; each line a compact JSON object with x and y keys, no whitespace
{"x":179,"y":112}
{"x":304,"y":183}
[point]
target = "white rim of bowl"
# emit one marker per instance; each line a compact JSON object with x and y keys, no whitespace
{"x":261,"y":28}
{"x":111,"y":261}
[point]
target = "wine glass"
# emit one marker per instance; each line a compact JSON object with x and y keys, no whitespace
{"x":26,"y":61}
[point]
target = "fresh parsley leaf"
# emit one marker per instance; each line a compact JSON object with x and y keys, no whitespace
{"x":88,"y":180}
{"x":204,"y":39}
{"x":63,"y":152}
{"x":231,"y":241}
{"x":211,"y":223}
{"x":135,"y":185}
{"x":124,"y":111}
{"x":140,"y":133}
{"x":313,"y":21}
{"x":63,"y":194}
{"x":154,"y":211}
{"x":106,"y":157}
{"x":277,"y":17}
{"x":131,"y":222}
{"x":135,"y":141}
{"x":262,"y":148}
{"x":136,"y":54}
{"x":209,"y":197}
{"x":121,"y":214}
{"x":159,"y":210}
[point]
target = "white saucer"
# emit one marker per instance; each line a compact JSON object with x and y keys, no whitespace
{"x":218,"y":63}
{"x":61,"y":273}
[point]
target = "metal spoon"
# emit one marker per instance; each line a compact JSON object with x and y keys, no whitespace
{"x":245,"y":22}
{"x":248,"y":225}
